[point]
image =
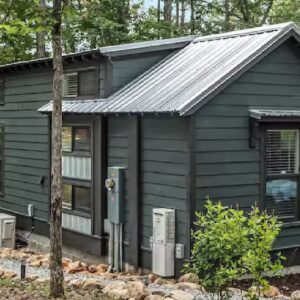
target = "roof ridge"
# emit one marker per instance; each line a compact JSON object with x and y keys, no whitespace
{"x":248,"y":31}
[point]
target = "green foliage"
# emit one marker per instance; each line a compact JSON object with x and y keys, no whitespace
{"x":229,"y":243}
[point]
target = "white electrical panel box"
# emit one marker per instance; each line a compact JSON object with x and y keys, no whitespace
{"x":7,"y":231}
{"x":163,"y":242}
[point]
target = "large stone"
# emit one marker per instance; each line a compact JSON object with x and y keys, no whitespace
{"x":92,"y":269}
{"x":9,"y":275}
{"x":65,"y":262}
{"x":36,"y":263}
{"x":295,"y":295}
{"x":188,"y":286}
{"x":93,"y":283}
{"x":271,"y":292}
{"x":163,"y":281}
{"x":181,"y":295}
{"x":101,"y":268}
{"x":155,"y":297}
{"x":31,"y":278}
{"x":152,"y":278}
{"x":76,"y":283}
{"x":189,"y":277}
{"x":75,"y":267}
{"x":121,"y":290}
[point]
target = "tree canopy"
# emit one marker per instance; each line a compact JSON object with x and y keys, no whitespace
{"x":25,"y":24}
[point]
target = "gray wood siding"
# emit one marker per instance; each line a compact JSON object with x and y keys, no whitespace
{"x":26,"y":142}
{"x":128,"y":68}
{"x":164,"y":170}
{"x":117,"y":128}
{"x":226,"y":168}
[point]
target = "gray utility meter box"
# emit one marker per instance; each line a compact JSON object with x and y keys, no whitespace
{"x":115,"y":184}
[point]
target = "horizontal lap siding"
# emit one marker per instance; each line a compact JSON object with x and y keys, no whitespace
{"x":164,"y":171}
{"x":26,"y":153}
{"x":225,"y":165}
{"x":226,"y":168}
{"x":118,"y":155}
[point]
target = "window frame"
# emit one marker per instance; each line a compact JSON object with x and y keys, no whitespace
{"x":2,"y":159}
{"x":265,"y":177}
{"x":78,"y":71}
{"x":79,"y":182}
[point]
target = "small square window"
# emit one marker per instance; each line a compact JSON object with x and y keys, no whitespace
{"x":82,"y":199}
{"x":82,"y":139}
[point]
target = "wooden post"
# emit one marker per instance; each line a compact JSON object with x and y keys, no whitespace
{"x":56,"y":270}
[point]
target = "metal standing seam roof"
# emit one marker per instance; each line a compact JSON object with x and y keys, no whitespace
{"x":185,"y":80}
{"x":263,"y":113}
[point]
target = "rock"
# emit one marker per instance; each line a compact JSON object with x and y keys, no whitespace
{"x":281,"y":297}
{"x":31,"y":278}
{"x":35,"y":263}
{"x":189,"y":277}
{"x":295,"y":295}
{"x":271,"y":292}
{"x":157,"y":292}
{"x":65,"y":262}
{"x":75,"y":267}
{"x":121,"y":290}
{"x":188,"y":286}
{"x":41,"y":280}
{"x":152,"y":278}
{"x":76,"y":283}
{"x":181,"y":295}
{"x":163,"y":281}
{"x":101,"y":268}
{"x":155,"y":297}
{"x":93,"y":283}
{"x":9,"y":275}
{"x":92,"y":269}
{"x":6,"y":253}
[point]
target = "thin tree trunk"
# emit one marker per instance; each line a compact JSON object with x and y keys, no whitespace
{"x":41,"y":37}
{"x":168,"y":11}
{"x":182,"y":21}
{"x":177,"y":13}
{"x":192,"y":17}
{"x":158,"y":11}
{"x":227,"y":16}
{"x":56,"y":271}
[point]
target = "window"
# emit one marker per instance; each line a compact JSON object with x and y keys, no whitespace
{"x":282,"y":172}
{"x":1,"y":159}
{"x":77,"y":198}
{"x":2,"y":91}
{"x":82,"y":84}
{"x":76,"y":139}
{"x":76,"y":169}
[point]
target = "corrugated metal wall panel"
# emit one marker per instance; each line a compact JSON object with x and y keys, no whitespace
{"x":77,"y":167}
{"x":77,"y":223}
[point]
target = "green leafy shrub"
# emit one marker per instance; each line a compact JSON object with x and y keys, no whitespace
{"x":229,"y":243}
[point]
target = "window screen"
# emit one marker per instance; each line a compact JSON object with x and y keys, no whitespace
{"x":82,"y":198}
{"x":282,"y":165}
{"x":67,"y":139}
{"x":70,"y":85}
{"x":82,"y":139}
{"x":67,"y":196}
{"x":88,"y":83}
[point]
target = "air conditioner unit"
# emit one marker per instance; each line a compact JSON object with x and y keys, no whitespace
{"x":7,"y":231}
{"x":163,"y":242}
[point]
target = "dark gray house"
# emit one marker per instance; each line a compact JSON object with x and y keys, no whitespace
{"x":191,"y":118}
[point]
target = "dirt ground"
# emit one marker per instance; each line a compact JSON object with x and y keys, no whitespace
{"x":286,"y":284}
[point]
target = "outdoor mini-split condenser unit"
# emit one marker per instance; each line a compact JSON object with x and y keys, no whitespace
{"x":7,"y":231}
{"x":163,"y":242}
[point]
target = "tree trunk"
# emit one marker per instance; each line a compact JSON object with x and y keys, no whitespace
{"x":192,"y":17}
{"x":227,"y":16}
{"x":182,"y":21}
{"x":158,"y":11}
{"x":56,"y":271}
{"x":168,"y":11}
{"x":41,"y":37}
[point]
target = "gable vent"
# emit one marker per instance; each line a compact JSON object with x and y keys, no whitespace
{"x":70,"y":87}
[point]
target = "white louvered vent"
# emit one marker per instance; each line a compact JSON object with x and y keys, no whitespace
{"x":282,"y":152}
{"x":70,"y":86}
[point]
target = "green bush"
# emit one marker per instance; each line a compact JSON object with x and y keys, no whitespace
{"x":229,"y":243}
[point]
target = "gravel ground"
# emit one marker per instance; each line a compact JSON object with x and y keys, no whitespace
{"x":15,"y":265}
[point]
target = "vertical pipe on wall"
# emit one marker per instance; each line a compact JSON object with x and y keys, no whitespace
{"x":111,"y":246}
{"x":116,"y":247}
